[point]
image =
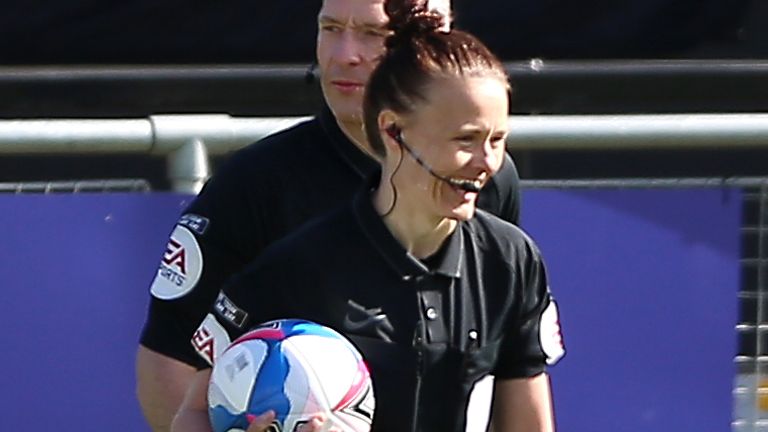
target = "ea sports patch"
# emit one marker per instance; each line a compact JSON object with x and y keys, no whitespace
{"x":550,"y":338}
{"x":210,"y":339}
{"x":180,"y":267}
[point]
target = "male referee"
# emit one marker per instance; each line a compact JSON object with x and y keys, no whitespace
{"x":266,"y":191}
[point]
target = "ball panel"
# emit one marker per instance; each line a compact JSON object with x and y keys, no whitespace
{"x":269,"y":391}
{"x":304,"y":369}
{"x":330,"y":362}
{"x":235,"y":375}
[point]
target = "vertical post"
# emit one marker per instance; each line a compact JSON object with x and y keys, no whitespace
{"x":761,"y":384}
{"x":188,"y":167}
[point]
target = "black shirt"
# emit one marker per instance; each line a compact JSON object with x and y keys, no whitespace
{"x":429,"y":329}
{"x":262,"y":193}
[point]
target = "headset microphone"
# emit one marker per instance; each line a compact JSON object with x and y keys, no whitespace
{"x":394,"y":132}
{"x":310,"y":75}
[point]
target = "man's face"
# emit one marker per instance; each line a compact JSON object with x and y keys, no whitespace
{"x":350,"y":42}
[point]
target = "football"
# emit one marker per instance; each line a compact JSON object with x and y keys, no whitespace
{"x":296,"y":368}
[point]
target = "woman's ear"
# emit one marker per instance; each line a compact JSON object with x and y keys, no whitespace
{"x":389,"y":128}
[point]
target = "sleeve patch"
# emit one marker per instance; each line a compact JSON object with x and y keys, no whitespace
{"x":194,"y":222}
{"x":229,"y":311}
{"x":180,"y":268}
{"x":550,"y":338}
{"x":210,"y":339}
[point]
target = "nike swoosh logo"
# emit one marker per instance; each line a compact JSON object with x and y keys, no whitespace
{"x":369,"y":321}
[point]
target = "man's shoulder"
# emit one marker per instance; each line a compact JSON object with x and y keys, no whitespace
{"x":497,"y":235}
{"x":501,"y":196}
{"x":507,"y":177}
{"x":328,"y":230}
{"x":485,"y":223}
{"x":288,"y":142}
{"x":256,"y":166}
{"x":313,"y":243}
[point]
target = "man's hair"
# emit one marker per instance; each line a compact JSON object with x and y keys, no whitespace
{"x":418,"y":52}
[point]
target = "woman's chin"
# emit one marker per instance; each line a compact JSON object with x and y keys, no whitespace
{"x":464,"y":212}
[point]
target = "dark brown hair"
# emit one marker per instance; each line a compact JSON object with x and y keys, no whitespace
{"x":418,"y":52}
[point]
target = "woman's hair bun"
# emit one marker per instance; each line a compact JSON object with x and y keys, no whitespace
{"x":411,"y":19}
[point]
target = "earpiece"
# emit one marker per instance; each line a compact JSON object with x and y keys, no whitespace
{"x":309,"y":75}
{"x":394,"y":132}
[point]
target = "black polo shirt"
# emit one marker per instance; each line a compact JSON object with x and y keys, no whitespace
{"x":429,"y":329}
{"x":262,"y":193}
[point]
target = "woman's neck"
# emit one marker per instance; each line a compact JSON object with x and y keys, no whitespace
{"x":420,"y":234}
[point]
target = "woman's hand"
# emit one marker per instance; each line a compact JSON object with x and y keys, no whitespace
{"x":261,"y":423}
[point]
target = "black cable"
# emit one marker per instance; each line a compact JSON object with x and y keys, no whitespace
{"x":394,"y":189}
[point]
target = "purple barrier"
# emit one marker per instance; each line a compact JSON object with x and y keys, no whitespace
{"x":75,"y":272}
{"x":646,"y":282}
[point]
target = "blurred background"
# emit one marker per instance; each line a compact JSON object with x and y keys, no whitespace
{"x":88,"y":59}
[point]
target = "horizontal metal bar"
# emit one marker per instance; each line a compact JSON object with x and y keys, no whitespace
{"x":109,"y":185}
{"x":638,"y":131}
{"x":754,"y":229}
{"x":221,"y":133}
{"x":551,"y":68}
{"x":751,"y":327}
{"x":636,"y":68}
{"x":540,"y":86}
{"x":59,"y":74}
{"x":648,"y":182}
{"x":75,"y":136}
{"x":161,"y":134}
{"x":753,"y":262}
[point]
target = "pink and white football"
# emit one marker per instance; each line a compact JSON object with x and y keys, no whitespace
{"x":296,"y":368}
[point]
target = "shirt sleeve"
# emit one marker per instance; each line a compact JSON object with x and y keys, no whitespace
{"x":213,"y":239}
{"x":532,"y":340}
{"x":509,"y":191}
{"x":501,"y":196}
{"x":246,"y":300}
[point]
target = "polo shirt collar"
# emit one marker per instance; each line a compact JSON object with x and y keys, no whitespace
{"x":357,"y":159}
{"x":447,"y":260}
{"x":450,"y":256}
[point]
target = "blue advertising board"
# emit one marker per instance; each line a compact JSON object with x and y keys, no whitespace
{"x":646,"y":281}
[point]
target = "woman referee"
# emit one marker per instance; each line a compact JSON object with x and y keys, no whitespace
{"x":435,"y":293}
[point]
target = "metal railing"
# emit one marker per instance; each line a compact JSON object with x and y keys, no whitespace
{"x":77,"y":186}
{"x":187,"y":140}
{"x":751,"y":389}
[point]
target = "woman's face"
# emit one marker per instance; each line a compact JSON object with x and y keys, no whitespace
{"x":460,"y":132}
